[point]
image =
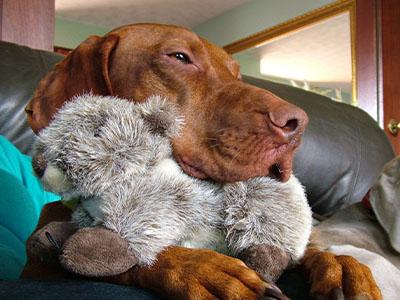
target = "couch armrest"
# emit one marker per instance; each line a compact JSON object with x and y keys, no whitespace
{"x":21,"y":69}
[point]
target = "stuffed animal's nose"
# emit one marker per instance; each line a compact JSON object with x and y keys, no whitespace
{"x":39,"y":164}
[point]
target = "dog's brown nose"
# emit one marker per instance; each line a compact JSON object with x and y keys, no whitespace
{"x":288,"y":121}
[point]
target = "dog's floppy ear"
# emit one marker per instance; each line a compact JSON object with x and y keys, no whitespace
{"x":83,"y":70}
{"x":108,"y":46}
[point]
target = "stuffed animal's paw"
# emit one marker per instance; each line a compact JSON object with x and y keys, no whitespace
{"x":47,"y":241}
{"x":338,"y":277}
{"x":267,"y":260}
{"x":96,"y":252}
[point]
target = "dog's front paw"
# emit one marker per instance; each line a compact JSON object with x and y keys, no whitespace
{"x":96,"y":252}
{"x":199,"y":274}
{"x":338,"y":277}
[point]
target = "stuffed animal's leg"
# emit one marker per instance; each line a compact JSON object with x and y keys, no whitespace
{"x":95,"y":252}
{"x":338,"y":277}
{"x":48,"y":240}
{"x":267,"y":260}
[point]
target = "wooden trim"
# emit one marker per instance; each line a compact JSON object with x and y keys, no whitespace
{"x":62,"y":50}
{"x":28,"y":22}
{"x":1,"y":19}
{"x":367,"y":54}
{"x":353,"y":40}
{"x":389,"y":31}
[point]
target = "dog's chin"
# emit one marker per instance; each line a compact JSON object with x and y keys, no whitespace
{"x":280,"y":171}
{"x":190,"y":169}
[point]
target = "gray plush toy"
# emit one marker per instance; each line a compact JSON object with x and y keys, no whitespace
{"x":112,"y":160}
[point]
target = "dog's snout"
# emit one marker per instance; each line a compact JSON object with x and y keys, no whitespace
{"x":288,"y":120}
{"x":39,"y":164}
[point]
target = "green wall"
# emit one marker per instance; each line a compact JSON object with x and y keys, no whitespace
{"x":70,"y":34}
{"x":234,"y":25}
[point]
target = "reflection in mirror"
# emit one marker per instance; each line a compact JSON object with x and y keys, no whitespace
{"x":316,"y":54}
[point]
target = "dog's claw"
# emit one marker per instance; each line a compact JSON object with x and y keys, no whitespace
{"x":53,"y":241}
{"x":336,"y":294}
{"x":273,"y":292}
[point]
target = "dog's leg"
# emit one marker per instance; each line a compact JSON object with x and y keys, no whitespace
{"x":196,"y":274}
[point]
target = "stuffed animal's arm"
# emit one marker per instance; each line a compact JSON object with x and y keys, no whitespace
{"x":179,"y":273}
{"x":145,"y":215}
{"x":265,"y":211}
{"x":268,"y":223}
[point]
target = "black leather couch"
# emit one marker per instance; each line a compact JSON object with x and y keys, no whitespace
{"x":342,"y":152}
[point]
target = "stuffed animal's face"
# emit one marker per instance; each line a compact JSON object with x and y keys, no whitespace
{"x":95,"y":142}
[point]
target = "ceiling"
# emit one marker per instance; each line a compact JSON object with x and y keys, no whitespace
{"x":111,"y":14}
{"x":318,"y":53}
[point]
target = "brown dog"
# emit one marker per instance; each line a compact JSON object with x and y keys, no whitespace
{"x":233,"y":131}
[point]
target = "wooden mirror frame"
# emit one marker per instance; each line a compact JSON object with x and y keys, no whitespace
{"x":300,"y":22}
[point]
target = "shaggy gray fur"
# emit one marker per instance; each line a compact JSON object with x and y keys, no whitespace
{"x":115,"y":156}
{"x":265,"y":211}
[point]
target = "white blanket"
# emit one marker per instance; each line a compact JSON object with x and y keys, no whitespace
{"x":370,"y":235}
{"x":355,"y":231}
{"x":385,"y":200}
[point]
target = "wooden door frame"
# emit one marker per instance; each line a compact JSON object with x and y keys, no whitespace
{"x":377,"y":52}
{"x":367,"y":59}
{"x":388,"y":28}
{"x":28,"y":22}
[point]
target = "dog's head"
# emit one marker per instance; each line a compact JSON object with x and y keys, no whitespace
{"x":95,"y":142}
{"x":233,"y":131}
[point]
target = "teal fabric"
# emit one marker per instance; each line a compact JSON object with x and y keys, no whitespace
{"x":21,"y":200}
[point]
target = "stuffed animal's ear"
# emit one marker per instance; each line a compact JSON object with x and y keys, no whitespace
{"x":161,"y":116}
{"x":39,"y":164}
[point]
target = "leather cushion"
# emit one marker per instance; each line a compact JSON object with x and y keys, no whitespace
{"x":21,"y":69}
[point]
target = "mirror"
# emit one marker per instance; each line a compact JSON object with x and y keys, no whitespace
{"x":315,"y":51}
